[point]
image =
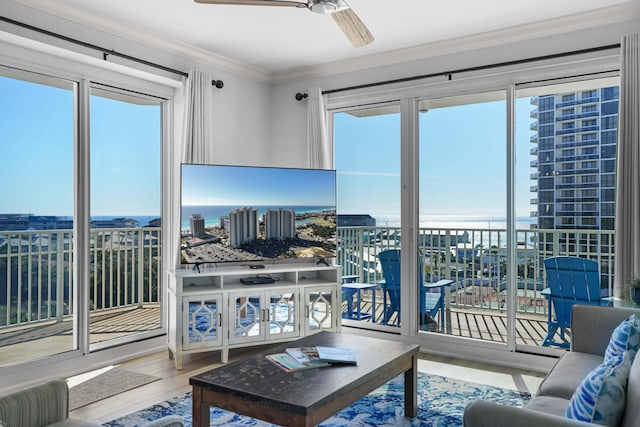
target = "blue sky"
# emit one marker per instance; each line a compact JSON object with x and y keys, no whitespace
{"x":36,"y":145}
{"x":256,"y":186}
{"x":462,"y":161}
{"x":36,"y":133}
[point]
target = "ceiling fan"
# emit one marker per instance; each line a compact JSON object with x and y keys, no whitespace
{"x":342,"y":14}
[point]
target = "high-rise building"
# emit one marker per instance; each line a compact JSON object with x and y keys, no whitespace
{"x":280,"y":223}
{"x":576,"y":159}
{"x":196,"y":223}
{"x":243,"y":226}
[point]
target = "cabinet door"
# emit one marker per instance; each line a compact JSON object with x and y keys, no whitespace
{"x":320,"y":306}
{"x":283,"y":319}
{"x":202,"y":315}
{"x":247,"y":316}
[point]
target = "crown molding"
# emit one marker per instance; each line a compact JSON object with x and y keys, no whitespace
{"x":551,"y":27}
{"x":580,"y":21}
{"x":153,"y":40}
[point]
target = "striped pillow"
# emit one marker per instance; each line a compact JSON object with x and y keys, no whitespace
{"x":601,"y":397}
{"x":625,"y":337}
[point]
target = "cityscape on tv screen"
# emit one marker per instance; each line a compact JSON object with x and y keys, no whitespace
{"x":247,"y":214}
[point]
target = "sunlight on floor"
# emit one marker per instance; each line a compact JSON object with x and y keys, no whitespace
{"x":79,"y":379}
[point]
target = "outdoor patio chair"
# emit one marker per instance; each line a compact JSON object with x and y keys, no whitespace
{"x":571,"y":281}
{"x":432,"y":295}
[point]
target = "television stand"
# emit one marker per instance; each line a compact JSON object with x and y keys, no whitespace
{"x":212,"y":309}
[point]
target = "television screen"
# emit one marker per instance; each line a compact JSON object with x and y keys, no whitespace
{"x":256,"y":214}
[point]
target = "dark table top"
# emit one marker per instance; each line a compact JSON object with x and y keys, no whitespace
{"x":258,"y":379}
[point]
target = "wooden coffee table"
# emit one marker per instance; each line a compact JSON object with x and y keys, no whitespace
{"x":256,"y":387}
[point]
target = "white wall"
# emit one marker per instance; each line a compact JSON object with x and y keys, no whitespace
{"x":288,"y":131}
{"x":241,"y":109}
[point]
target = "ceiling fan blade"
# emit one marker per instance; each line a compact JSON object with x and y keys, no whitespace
{"x":290,"y":3}
{"x":355,"y":30}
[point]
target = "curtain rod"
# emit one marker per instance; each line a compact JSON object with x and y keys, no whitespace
{"x":105,"y":52}
{"x":300,"y":96}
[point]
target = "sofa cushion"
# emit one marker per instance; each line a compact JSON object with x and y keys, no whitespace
{"x":625,"y":337}
{"x":601,"y":397}
{"x":632,"y":412}
{"x":568,"y":373}
{"x":37,"y":406}
{"x":549,"y":405}
{"x":73,"y":422}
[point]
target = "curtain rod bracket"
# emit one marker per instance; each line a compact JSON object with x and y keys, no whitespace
{"x":217,"y":83}
{"x":300,"y":96}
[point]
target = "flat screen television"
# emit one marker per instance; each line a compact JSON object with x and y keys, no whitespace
{"x":256,"y":215}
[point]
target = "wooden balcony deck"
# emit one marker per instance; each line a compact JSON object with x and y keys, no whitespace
{"x":28,"y":342}
{"x":49,"y":338}
{"x":481,"y":323}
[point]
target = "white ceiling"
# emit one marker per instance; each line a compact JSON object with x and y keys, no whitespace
{"x":281,"y":39}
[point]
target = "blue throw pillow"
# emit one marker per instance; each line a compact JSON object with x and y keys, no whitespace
{"x":626,"y":337}
{"x":601,"y":397}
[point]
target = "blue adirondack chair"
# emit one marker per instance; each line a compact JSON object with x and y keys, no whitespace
{"x":571,"y":280}
{"x":432,"y":296}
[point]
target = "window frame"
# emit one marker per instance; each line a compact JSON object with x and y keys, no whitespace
{"x":477,"y":82}
{"x":35,"y":57}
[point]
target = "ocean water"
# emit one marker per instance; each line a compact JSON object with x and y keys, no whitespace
{"x":212,"y":213}
{"x":457,"y":222}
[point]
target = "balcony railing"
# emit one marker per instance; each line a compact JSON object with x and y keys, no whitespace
{"x":36,"y":267}
{"x":477,"y":258}
{"x":36,"y":272}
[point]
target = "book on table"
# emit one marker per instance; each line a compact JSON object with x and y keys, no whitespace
{"x":289,"y":363}
{"x":299,"y":358}
{"x":331,"y":355}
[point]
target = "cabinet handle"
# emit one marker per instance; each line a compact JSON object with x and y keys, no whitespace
{"x":266,"y":314}
{"x":219,"y":319}
{"x":306,"y":311}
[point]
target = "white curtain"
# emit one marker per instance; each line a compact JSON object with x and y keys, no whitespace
{"x":192,"y":114}
{"x":198,"y":114}
{"x":627,"y":233}
{"x":319,"y":145}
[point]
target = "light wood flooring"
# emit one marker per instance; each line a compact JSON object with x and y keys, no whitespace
{"x":174,"y":383}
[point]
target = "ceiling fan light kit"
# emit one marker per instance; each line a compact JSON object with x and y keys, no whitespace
{"x":327,"y":6}
{"x":350,"y":24}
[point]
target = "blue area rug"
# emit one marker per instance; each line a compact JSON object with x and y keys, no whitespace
{"x":441,"y":402}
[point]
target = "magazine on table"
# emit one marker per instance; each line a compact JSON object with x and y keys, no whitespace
{"x":332,"y":355}
{"x":299,"y":358}
{"x":289,"y":363}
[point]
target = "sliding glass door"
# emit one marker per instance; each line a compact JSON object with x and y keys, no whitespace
{"x":37,"y":123}
{"x":570,"y":133}
{"x":125,"y":205}
{"x":489,"y":208}
{"x":462,"y":215}
{"x":367,"y":160}
{"x":53,"y":299}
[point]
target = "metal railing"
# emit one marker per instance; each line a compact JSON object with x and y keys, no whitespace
{"x":36,"y":272}
{"x":477,"y":258}
{"x":36,"y":267}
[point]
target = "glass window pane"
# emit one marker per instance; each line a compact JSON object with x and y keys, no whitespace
{"x":462,"y":207}
{"x":125,"y":209}
{"x":36,"y":216}
{"x":577,"y":219}
{"x":367,"y":160}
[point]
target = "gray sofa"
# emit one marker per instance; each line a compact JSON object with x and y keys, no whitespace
{"x":591,"y":328}
{"x":48,"y":405}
